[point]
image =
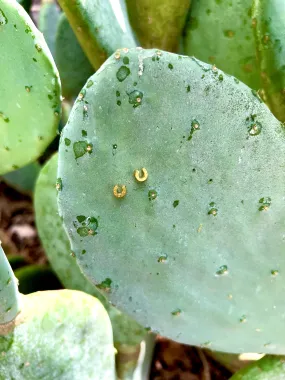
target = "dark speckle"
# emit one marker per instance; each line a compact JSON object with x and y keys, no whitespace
{"x":175,"y":203}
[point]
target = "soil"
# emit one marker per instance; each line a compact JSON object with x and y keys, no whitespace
{"x":171,"y":361}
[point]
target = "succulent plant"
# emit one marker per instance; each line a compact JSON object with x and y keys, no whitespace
{"x":23,"y":179}
{"x":101,"y":27}
{"x":222,"y":34}
{"x":30,"y":89}
{"x":269,"y":29}
{"x":169,"y":182}
{"x":48,"y":22}
{"x":127,"y":333}
{"x":270,"y":367}
{"x":9,"y":298}
{"x":34,"y":278}
{"x":158,"y":23}
{"x":175,"y":241}
{"x":17,"y":261}
{"x":71,"y":334}
{"x":73,"y":65}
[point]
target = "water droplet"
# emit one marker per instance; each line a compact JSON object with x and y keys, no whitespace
{"x":123,"y":73}
{"x":4,"y":117}
{"x":8,"y":282}
{"x":3,"y":18}
{"x":85,"y":111}
{"x":89,"y":83}
{"x":119,"y":103}
{"x":222,"y":270}
{"x":115,"y":146}
{"x":265,"y":203}
{"x":170,"y":66}
{"x":188,"y":88}
{"x":176,"y":312}
{"x":28,"y":88}
{"x":117,"y":55}
{"x":58,"y":184}
{"x":254,"y":129}
{"x":152,"y":194}
{"x":83,"y":133}
{"x":195,"y":126}
{"x":274,"y":272}
{"x":67,"y":141}
{"x":243,"y":319}
{"x":82,"y":147}
{"x":90,"y":227}
{"x":83,"y":251}
{"x":221,"y":78}
{"x":82,"y":94}
{"x":175,"y":203}
{"x":213,"y":210}
{"x":118,"y":93}
{"x":126,"y":60}
{"x":206,"y":344}
{"x":162,"y":258}
{"x":105,"y":285}
{"x":81,"y":218}
{"x":38,"y":47}
{"x":135,"y":98}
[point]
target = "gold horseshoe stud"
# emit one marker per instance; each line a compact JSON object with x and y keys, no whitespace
{"x":119,"y":191}
{"x":142,"y":175}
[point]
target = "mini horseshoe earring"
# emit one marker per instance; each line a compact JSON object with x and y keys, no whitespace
{"x":119,"y":191}
{"x":142,"y":175}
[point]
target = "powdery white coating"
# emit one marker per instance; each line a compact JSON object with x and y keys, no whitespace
{"x":59,"y":335}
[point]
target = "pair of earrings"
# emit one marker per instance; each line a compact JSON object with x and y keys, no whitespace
{"x":120,"y":191}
